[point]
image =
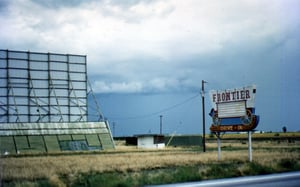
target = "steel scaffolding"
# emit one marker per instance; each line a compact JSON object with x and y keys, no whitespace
{"x":43,"y":87}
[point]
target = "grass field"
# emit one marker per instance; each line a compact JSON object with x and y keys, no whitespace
{"x":129,"y":166}
{"x":269,"y":136}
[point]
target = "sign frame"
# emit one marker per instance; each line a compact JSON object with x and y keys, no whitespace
{"x":236,"y":117}
{"x":232,"y":117}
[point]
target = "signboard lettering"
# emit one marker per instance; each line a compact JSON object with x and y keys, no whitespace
{"x":231,"y":96}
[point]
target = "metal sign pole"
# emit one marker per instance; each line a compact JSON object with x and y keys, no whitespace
{"x":249,"y":146}
{"x":219,"y":146}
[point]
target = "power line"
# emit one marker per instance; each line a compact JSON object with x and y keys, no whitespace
{"x":155,"y":113}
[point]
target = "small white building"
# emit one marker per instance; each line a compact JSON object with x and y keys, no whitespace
{"x":150,"y":141}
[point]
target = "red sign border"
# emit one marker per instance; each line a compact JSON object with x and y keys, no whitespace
{"x":235,"y":128}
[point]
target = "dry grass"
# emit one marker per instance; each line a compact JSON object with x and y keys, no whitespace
{"x":45,"y":167}
{"x":125,"y":159}
{"x":260,"y":135}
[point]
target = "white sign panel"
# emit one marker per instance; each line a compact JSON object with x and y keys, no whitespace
{"x":246,"y":94}
{"x":231,"y":109}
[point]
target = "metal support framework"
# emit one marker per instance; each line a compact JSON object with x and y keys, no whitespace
{"x":72,"y":91}
{"x":98,"y":111}
{"x":42,"y":87}
{"x":52,"y":90}
{"x":11,"y":93}
{"x":35,"y":99}
{"x":44,"y":104}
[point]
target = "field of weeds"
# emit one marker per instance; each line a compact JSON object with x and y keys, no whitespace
{"x":129,"y":166}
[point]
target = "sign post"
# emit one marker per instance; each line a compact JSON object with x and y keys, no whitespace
{"x":249,"y":146}
{"x":219,"y":145}
{"x":233,"y":111}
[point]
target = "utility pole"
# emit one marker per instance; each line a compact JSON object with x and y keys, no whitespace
{"x":160,"y":123}
{"x":203,"y":115}
{"x":114,"y":128}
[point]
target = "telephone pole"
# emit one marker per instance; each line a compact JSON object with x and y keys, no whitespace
{"x":203,"y":115}
{"x":114,"y":128}
{"x":160,"y":123}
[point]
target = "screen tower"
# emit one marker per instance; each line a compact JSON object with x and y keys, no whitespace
{"x":44,"y":104}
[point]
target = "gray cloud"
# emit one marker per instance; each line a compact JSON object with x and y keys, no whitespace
{"x":129,"y":3}
{"x":54,"y":4}
{"x":3,"y":6}
{"x":159,"y":46}
{"x":150,"y":48}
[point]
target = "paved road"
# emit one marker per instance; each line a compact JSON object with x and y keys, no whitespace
{"x":289,"y":179}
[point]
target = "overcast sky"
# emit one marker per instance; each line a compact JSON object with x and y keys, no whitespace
{"x":154,"y":47}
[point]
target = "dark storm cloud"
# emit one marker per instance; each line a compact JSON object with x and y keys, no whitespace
{"x":4,"y":4}
{"x":151,"y":47}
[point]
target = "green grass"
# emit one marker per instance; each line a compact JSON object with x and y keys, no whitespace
{"x":276,"y":135}
{"x":181,"y":174}
{"x":135,"y":167}
{"x":166,"y":175}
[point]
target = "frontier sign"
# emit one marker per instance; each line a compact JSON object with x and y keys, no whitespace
{"x":233,"y":109}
